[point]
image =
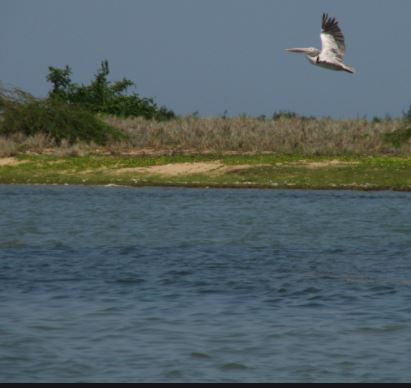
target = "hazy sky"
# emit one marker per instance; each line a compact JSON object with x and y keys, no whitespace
{"x":213,"y":56}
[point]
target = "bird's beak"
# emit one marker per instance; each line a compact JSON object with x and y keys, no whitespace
{"x":296,"y":50}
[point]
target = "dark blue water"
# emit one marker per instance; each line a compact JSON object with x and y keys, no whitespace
{"x":180,"y":285}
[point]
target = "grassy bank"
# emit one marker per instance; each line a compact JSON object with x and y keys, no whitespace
{"x":213,"y":170}
{"x":194,"y":135}
{"x":288,"y":152}
{"x":295,"y":135}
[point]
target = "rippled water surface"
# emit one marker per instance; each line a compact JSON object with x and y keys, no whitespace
{"x":181,"y":285}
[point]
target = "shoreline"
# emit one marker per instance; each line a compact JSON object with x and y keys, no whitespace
{"x":358,"y":189}
{"x":260,"y":171}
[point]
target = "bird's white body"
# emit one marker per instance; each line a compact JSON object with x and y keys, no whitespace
{"x":332,"y":53}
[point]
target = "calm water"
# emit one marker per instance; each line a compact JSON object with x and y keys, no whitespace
{"x":180,"y":285}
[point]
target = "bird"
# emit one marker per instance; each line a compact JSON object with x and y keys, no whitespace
{"x":332,"y":52}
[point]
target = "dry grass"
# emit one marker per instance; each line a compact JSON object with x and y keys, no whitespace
{"x":194,"y":135}
{"x":8,"y":147}
{"x":251,"y":135}
{"x":42,"y":144}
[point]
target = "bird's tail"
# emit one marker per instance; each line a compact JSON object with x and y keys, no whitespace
{"x":348,"y":69}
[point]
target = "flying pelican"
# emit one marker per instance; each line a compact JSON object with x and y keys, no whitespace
{"x":332,"y":52}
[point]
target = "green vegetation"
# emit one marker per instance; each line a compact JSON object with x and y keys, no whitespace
{"x":239,"y":171}
{"x":26,"y":115}
{"x":402,"y":135}
{"x":70,"y":112}
{"x":285,"y":114}
{"x":103,"y":96}
{"x":399,"y":137}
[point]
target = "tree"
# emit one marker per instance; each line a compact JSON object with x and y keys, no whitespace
{"x":61,"y":80}
{"x":103,"y":96}
{"x":407,"y":114}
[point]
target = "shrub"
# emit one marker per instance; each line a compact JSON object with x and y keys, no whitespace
{"x":400,"y":136}
{"x":407,"y":115}
{"x":285,"y":114}
{"x":22,"y":113}
{"x":103,"y":96}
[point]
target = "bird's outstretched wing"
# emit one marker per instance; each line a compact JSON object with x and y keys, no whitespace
{"x":332,"y":39}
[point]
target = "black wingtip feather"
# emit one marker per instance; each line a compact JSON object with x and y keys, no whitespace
{"x":329,"y":23}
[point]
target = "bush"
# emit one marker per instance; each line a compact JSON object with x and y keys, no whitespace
{"x":400,"y":136}
{"x":22,"y":113}
{"x":285,"y":114}
{"x":407,"y":115}
{"x":103,"y":96}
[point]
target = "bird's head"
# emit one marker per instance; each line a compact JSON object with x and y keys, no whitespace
{"x":310,"y":51}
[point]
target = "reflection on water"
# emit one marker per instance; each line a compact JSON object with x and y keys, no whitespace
{"x":181,"y":285}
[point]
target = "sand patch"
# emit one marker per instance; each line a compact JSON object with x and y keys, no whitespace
{"x":10,"y":162}
{"x":181,"y":169}
{"x":324,"y":164}
{"x":242,"y":167}
{"x":175,"y":169}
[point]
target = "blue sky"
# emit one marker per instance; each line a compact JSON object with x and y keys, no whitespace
{"x":213,"y":56}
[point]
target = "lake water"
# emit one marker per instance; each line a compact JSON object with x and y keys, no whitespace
{"x":103,"y":284}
